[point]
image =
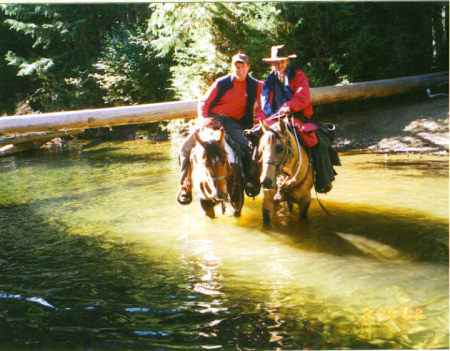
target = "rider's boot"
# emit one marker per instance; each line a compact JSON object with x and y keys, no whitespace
{"x":184,"y":196}
{"x":324,"y":189}
{"x":252,"y":185}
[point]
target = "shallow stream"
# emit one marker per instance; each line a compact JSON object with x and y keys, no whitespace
{"x":96,"y":254}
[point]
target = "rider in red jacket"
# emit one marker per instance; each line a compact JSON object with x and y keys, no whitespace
{"x":285,"y":90}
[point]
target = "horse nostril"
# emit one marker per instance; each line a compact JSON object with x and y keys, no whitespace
{"x":267,"y":183}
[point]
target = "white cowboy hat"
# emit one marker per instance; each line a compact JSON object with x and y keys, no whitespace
{"x":279,"y":53}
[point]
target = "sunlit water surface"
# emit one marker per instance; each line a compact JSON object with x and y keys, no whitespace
{"x":95,"y":253}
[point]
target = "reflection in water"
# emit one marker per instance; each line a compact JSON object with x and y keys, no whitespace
{"x":95,"y":253}
{"x":371,"y":247}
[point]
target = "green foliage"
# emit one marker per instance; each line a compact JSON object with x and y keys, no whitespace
{"x":18,"y":87}
{"x":65,"y":44}
{"x":334,"y":41}
{"x":80,"y":56}
{"x":179,"y":31}
{"x":364,"y":41}
{"x":38,"y":67}
{"x":128,"y":71}
{"x":202,"y":38}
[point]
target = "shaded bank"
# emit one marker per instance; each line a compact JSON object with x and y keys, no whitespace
{"x":412,"y":124}
{"x":407,"y":124}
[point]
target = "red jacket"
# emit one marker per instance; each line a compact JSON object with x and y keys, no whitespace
{"x":232,"y":104}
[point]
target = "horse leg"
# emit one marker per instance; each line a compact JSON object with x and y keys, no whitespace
{"x":208,"y":207}
{"x":239,"y":203}
{"x":304,"y":212}
{"x":237,"y":199}
{"x":303,"y":206}
{"x":266,"y":217}
{"x":267,"y":206}
{"x":290,"y":206}
{"x":237,"y":191}
{"x":240,"y":196}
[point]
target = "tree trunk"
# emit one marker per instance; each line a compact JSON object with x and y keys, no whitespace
{"x":12,"y":149}
{"x":14,"y":144}
{"x":36,"y":137}
{"x":377,"y":88}
{"x":105,"y":117}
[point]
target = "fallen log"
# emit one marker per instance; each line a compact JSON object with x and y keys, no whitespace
{"x":15,"y":144}
{"x":95,"y":118}
{"x":12,"y":149}
{"x":107,"y":117}
{"x":36,"y":137}
{"x":378,"y":88}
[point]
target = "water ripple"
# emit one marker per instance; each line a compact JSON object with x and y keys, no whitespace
{"x":150,"y":333}
{"x":38,"y":300}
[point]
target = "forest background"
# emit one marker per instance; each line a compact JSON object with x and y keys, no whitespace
{"x":77,"y":56}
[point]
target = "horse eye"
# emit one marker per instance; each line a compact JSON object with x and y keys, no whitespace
{"x":279,"y":148}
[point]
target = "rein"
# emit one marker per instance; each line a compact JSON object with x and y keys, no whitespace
{"x":299,"y":155}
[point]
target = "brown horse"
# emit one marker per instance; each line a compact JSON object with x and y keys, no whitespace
{"x":286,"y":170}
{"x":216,"y":173}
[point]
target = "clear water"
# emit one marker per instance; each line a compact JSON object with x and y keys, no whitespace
{"x":96,"y":254}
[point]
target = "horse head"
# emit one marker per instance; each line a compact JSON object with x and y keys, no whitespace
{"x":273,"y":149}
{"x":286,"y":173}
{"x":210,"y":164}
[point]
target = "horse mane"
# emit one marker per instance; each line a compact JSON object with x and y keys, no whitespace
{"x":213,"y":147}
{"x":275,"y":132}
{"x":213,"y":150}
{"x":294,"y":142}
{"x":211,"y":123}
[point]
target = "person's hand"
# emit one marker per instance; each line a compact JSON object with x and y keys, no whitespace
{"x":285,"y":109}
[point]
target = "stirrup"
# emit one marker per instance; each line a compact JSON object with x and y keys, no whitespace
{"x":184,"y":196}
{"x":251,"y":190}
{"x":325,"y":189}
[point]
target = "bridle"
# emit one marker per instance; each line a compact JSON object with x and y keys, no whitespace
{"x":285,"y":153}
{"x":215,"y":179}
{"x":220,"y":177}
{"x":213,"y":165}
{"x":287,"y":150}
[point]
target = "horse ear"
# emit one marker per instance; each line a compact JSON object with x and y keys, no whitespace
{"x":264,"y":126}
{"x":282,"y":126}
{"x":198,"y":139}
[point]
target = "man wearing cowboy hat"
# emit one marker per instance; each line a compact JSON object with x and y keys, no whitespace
{"x":231,"y":100}
{"x":287,"y":91}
